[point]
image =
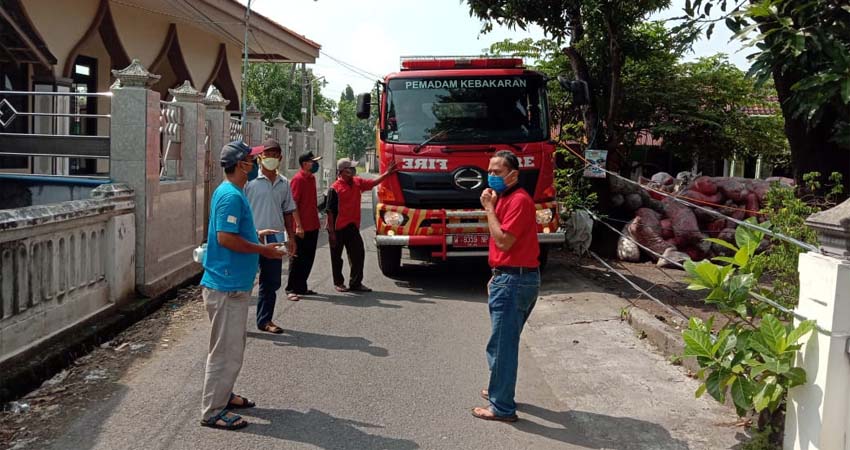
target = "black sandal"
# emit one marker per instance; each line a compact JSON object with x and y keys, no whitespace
{"x":229,"y":422}
{"x":244,"y":405}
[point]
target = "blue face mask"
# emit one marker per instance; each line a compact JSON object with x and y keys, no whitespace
{"x":315,"y":167}
{"x":496,"y":183}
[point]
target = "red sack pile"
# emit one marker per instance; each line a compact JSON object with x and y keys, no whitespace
{"x":683,"y":228}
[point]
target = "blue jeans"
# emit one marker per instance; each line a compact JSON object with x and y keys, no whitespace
{"x":270,"y":279}
{"x":512,"y":297}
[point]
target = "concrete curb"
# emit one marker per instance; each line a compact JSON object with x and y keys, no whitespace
{"x":667,"y":339}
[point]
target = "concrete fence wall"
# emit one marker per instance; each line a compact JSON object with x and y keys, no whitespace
{"x":63,"y":263}
{"x":818,"y":412}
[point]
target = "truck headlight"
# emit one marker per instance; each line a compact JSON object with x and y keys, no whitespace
{"x":393,"y":218}
{"x":544,"y":216}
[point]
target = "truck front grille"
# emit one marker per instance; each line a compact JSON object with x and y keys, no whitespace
{"x":438,"y":190}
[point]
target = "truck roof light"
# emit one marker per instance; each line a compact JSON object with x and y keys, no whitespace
{"x":459,"y":62}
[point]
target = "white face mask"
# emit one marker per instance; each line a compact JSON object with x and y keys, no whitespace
{"x":271,"y":163}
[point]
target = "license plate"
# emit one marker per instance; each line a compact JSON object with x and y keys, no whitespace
{"x":471,"y":240}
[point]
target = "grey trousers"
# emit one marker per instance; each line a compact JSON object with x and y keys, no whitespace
{"x":228,"y":313}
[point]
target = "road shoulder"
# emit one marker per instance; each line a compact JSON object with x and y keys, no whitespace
{"x":618,"y":389}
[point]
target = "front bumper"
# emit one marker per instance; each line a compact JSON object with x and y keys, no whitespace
{"x":555,"y":238}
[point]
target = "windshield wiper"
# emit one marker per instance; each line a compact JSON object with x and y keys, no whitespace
{"x":418,"y":147}
{"x":430,"y":139}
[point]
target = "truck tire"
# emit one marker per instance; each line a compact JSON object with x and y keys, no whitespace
{"x":389,"y":260}
{"x":375,"y":207}
{"x":544,"y":257}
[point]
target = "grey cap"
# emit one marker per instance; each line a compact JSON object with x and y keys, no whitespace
{"x":234,"y":152}
{"x":345,"y":163}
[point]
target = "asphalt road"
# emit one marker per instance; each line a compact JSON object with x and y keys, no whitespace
{"x":398,"y":368}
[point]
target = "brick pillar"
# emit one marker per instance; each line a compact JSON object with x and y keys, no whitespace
{"x":252,"y":129}
{"x":134,"y":145}
{"x":193,"y":149}
{"x":290,"y":158}
{"x":219,"y":132}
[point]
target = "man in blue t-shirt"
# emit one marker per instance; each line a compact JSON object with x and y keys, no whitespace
{"x":230,"y":265}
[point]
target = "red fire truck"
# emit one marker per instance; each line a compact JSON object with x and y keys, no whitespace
{"x":441,"y":119}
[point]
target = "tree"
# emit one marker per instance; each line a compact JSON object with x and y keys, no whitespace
{"x":352,"y":135}
{"x":596,"y":32}
{"x":697,"y":108}
{"x":276,"y":89}
{"x":804,"y":47}
{"x":701,"y":114}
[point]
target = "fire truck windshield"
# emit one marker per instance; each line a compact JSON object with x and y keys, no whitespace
{"x":460,"y":110}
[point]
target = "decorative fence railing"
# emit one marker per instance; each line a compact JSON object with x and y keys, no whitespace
{"x":238,"y":131}
{"x":171,"y":130}
{"x":271,"y":133}
{"x":62,"y":262}
{"x":51,"y":134}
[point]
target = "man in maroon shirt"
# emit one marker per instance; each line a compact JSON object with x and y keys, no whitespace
{"x":512,"y":290}
{"x":303,"y":186}
{"x":343,"y":208}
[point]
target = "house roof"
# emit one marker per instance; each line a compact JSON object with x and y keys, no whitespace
{"x":267,"y":41}
{"x":769,"y":107}
{"x":19,"y":41}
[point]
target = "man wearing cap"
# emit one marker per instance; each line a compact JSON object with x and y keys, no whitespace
{"x":274,"y":209}
{"x":306,"y":200}
{"x":343,"y":208}
{"x":230,"y":265}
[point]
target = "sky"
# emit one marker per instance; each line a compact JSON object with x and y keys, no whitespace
{"x":372,"y":35}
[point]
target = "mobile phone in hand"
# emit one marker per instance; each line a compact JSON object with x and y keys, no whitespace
{"x":275,"y":238}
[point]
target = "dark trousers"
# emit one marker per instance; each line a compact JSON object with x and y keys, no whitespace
{"x":349,"y":239}
{"x":301,"y":265}
{"x":270,"y":274}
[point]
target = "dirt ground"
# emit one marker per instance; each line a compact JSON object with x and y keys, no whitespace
{"x":667,"y":285}
{"x":44,"y":412}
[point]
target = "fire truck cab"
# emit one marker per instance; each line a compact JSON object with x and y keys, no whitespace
{"x":441,"y":119}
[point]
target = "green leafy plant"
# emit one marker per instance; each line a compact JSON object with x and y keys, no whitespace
{"x":573,"y":190}
{"x":755,"y":366}
{"x":751,"y":357}
{"x":788,"y":210}
{"x":730,"y":284}
{"x":760,"y":440}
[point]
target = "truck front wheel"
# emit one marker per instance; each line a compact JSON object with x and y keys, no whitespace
{"x":544,"y":256}
{"x":389,"y":260}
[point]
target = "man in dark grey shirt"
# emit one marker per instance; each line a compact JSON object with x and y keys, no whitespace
{"x":274,"y":209}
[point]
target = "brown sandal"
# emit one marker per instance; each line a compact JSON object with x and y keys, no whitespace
{"x":244,"y":403}
{"x":485,"y":414}
{"x":271,"y":328}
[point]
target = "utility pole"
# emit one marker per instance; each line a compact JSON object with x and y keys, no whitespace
{"x":304,"y":98}
{"x":304,"y":104}
{"x":245,"y":64}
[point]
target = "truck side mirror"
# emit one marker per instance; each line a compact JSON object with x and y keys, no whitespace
{"x":364,"y":106}
{"x":577,"y":88}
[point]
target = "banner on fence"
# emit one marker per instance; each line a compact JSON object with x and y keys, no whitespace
{"x":597,"y":157}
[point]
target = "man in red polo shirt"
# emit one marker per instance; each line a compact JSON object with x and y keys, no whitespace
{"x":343,"y":208}
{"x":303,"y":186}
{"x":514,"y":253}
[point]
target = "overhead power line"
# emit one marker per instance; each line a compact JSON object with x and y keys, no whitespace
{"x":352,"y":68}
